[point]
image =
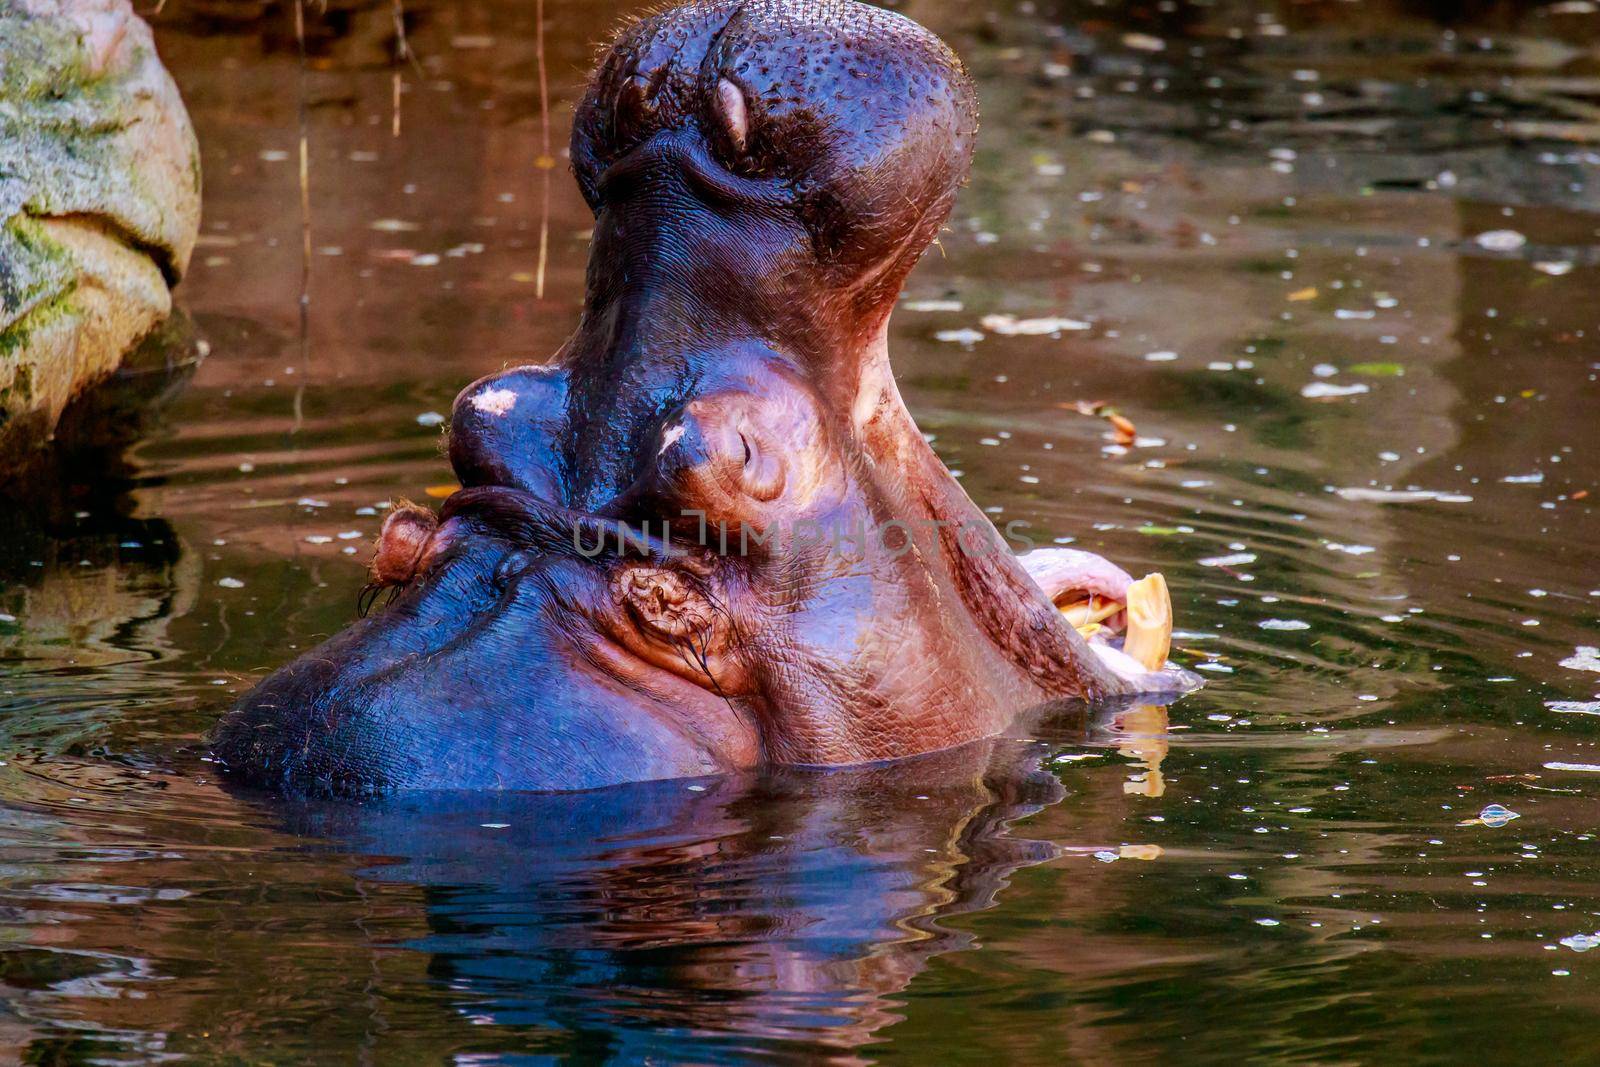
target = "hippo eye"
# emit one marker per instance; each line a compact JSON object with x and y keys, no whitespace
{"x":733,"y":115}
{"x":633,"y":110}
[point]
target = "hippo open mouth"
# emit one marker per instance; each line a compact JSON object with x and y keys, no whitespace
{"x":709,"y":535}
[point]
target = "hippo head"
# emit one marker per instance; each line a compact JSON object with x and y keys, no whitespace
{"x":708,"y":535}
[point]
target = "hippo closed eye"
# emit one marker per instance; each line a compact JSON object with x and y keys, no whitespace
{"x":709,"y":535}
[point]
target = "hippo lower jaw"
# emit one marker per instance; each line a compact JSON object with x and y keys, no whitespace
{"x":763,"y":173}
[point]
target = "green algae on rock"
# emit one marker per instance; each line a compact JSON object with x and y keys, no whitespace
{"x":99,"y":204}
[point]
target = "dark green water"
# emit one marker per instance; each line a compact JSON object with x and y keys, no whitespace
{"x":1267,"y":221}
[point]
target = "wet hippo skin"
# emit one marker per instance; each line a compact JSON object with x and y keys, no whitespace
{"x":803,"y":581}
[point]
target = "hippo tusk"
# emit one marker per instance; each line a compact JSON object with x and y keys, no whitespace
{"x":1149,"y":622}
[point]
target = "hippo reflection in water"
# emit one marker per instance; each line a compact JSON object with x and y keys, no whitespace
{"x":657,"y":923}
{"x":763,"y":174}
{"x":778,"y":915}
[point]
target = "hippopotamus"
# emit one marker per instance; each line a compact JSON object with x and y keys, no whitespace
{"x":708,"y":536}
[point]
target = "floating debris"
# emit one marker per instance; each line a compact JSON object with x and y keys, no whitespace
{"x":1536,"y":478}
{"x":1501,"y":240}
{"x":230,"y":583}
{"x":1143,"y":42}
{"x":430,"y":418}
{"x":1238,"y":559}
{"x":933,"y":305}
{"x":1581,"y":768}
{"x":1582,"y":942}
{"x":1123,"y":431}
{"x":1574,"y":707}
{"x":1402,"y":496}
{"x":1328,"y":390}
{"x":964,"y":336}
{"x":1283,"y":624}
{"x":1011,"y":326}
{"x":1493,"y":816}
{"x":1586,"y":658}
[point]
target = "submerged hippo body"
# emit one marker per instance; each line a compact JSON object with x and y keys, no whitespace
{"x":802,"y":580}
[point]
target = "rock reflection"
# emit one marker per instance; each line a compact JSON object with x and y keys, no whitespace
{"x":84,"y":579}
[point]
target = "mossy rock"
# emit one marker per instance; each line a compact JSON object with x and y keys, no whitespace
{"x":99,"y":204}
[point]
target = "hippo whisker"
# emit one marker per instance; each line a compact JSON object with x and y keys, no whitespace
{"x":367,"y":598}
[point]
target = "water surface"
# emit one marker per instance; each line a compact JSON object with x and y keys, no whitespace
{"x":1337,"y":263}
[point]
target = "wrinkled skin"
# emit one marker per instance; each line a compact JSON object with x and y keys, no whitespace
{"x":763,"y":176}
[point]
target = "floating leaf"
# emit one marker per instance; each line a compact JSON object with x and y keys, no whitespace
{"x":1378,"y":370}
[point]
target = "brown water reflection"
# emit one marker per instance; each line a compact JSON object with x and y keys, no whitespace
{"x":1241,"y":202}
